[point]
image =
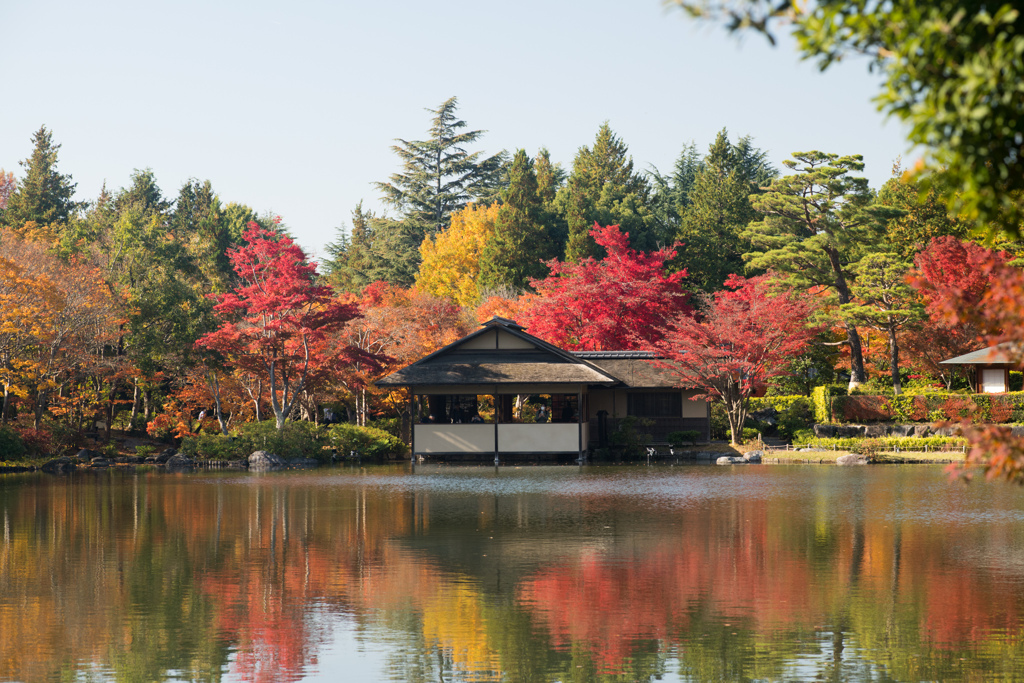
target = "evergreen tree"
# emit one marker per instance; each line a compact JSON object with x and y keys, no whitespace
{"x":349,"y":263}
{"x":671,"y":193}
{"x":44,"y":196}
{"x":439,"y":175}
{"x":718,"y":209}
{"x":884,"y":301}
{"x":603,"y":188}
{"x":924,"y":215}
{"x":520,"y":244}
{"x":197,"y":222}
{"x":817,"y":224}
{"x":550,"y":179}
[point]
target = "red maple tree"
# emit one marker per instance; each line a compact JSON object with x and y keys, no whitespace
{"x":953,"y":277}
{"x":993,"y":307}
{"x":741,"y":339}
{"x":620,"y":302}
{"x":276,"y":321}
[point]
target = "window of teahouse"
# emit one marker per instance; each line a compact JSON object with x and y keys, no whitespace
{"x":455,"y":409}
{"x":655,"y":404}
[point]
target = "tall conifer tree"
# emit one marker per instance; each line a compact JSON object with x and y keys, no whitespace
{"x":603,"y":188}
{"x":439,"y":175}
{"x":44,"y":196}
{"x":520,"y":243}
{"x":718,"y":209}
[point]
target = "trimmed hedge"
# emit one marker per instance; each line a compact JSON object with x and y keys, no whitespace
{"x":904,"y":443}
{"x":780,"y":403}
{"x":824,"y":399}
{"x":934,"y":407}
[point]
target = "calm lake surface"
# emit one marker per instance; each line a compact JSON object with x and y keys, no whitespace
{"x":523,"y":574}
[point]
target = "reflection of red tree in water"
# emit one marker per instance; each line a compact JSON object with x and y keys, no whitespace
{"x":958,"y":613}
{"x":609,"y":604}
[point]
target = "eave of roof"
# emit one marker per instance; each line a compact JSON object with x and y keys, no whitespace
{"x":993,"y":355}
{"x":419,"y":372}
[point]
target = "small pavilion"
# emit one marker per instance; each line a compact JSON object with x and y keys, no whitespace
{"x":500,"y":393}
{"x":991,"y":367}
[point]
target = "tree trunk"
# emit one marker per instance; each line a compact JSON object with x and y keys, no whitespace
{"x":135,"y":403}
{"x":215,"y":387}
{"x":857,"y":374}
{"x":894,"y":362}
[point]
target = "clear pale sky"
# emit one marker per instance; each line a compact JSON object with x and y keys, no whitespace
{"x":292,"y":107}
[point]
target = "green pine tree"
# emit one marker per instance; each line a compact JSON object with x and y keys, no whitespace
{"x":520,"y":243}
{"x":44,"y":195}
{"x":718,"y":209}
{"x":439,"y":175}
{"x":817,"y":223}
{"x":350,"y":263}
{"x":603,"y":188}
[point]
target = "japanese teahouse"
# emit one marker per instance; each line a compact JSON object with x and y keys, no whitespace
{"x":503,"y":394}
{"x":991,"y":367}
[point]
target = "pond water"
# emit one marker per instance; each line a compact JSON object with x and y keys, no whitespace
{"x":695,"y":573}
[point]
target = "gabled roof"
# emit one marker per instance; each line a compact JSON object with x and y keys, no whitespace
{"x":993,"y":355}
{"x":531,"y":361}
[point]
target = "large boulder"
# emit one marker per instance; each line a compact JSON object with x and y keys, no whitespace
{"x":824,"y":431}
{"x":849,"y":431}
{"x":262,"y":460}
{"x":753,"y":456}
{"x":179,"y":462}
{"x":876,"y":431}
{"x":922,"y":430}
{"x":767,"y":415}
{"x":59,"y":466}
{"x":163,"y":456}
{"x":85,"y":455}
{"x":852,"y":459}
{"x":731,"y":460}
{"x":901,"y":430}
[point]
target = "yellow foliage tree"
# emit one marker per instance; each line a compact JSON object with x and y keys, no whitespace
{"x":451,"y":260}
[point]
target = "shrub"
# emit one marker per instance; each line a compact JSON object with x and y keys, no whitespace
{"x":391,"y":425}
{"x":799,"y":414}
{"x":750,"y":433}
{"x":11,"y":446}
{"x":683,"y":436}
{"x":959,"y":407}
{"x":1016,"y":380}
{"x":144,"y":450}
{"x":36,"y":441}
{"x":161,"y":427}
{"x":294,"y":440}
{"x":719,"y":421}
{"x":367,"y":442}
{"x":869,"y":447}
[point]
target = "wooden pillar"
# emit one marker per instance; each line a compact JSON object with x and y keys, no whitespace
{"x":412,"y":425}
{"x":579,"y":420}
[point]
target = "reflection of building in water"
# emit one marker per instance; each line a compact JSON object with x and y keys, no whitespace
{"x":502,"y":393}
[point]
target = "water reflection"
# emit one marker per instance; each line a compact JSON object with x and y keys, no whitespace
{"x":535,"y":574}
